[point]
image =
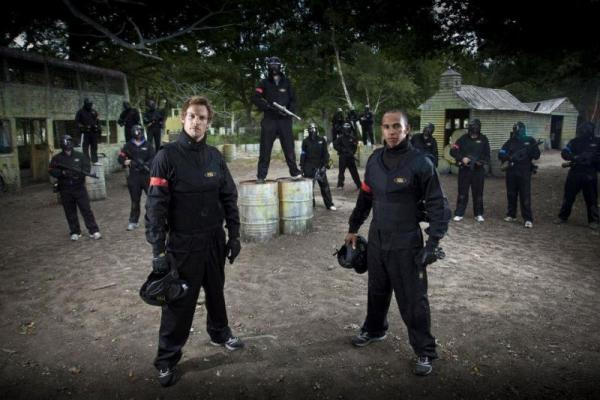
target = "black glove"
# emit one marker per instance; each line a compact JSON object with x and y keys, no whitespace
{"x":160,"y":265}
{"x":427,"y":255}
{"x":232,"y":249}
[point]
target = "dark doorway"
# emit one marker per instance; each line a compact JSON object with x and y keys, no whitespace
{"x":32,"y":146}
{"x":556,"y":125}
{"x":455,"y":119}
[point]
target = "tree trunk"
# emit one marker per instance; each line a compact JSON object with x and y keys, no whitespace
{"x":340,"y":72}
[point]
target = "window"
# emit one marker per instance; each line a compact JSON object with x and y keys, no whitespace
{"x":115,"y":85}
{"x":5,"y":137}
{"x":92,"y":82}
{"x":26,"y":72}
{"x":63,"y":78}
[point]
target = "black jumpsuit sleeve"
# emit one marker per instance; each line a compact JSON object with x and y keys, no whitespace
{"x":534,"y":150}
{"x":486,"y":157}
{"x":361,"y":211}
{"x":436,"y":203}
{"x":456,"y":151}
{"x":123,"y":155}
{"x":157,"y":202}
{"x":53,"y":169}
{"x":228,"y":196}
{"x":567,"y":151}
{"x":435,"y":152}
{"x":504,"y":153}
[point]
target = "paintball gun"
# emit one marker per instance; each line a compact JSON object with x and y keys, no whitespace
{"x":286,"y":111}
{"x":582,"y":159}
{"x":77,"y":170}
{"x":517,"y":156}
{"x":140,"y":165}
{"x":472,"y":163}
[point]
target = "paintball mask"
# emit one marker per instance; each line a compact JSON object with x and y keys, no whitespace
{"x":474,"y":127}
{"x":138,"y":132}
{"x":353,"y":258}
{"x":428,"y":130}
{"x":274,"y":65}
{"x":162,"y":289}
{"x":312,"y":129}
{"x":66,"y":143}
{"x":87,"y":104}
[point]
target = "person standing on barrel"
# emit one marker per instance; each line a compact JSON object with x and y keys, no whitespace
{"x":89,"y":128}
{"x":137,"y":155}
{"x":398,"y":179}
{"x":272,"y":94}
{"x":314,"y":162}
{"x":191,"y":195}
{"x":70,"y":168}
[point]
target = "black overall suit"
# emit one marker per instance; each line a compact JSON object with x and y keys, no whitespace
{"x":275,"y":123}
{"x":139,"y":172}
{"x":519,"y":154}
{"x":472,"y":175}
{"x":396,"y":180}
{"x":71,"y":186}
{"x":316,"y":156}
{"x":346,"y":146}
{"x":191,"y":194}
{"x":584,"y":154}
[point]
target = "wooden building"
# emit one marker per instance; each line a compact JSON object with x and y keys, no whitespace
{"x":455,"y":104}
{"x":39,"y":97}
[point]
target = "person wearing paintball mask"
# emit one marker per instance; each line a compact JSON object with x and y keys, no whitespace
{"x":191,"y":194}
{"x":128,"y":118}
{"x":137,"y":155}
{"x":471,"y":152}
{"x":426,"y":143}
{"x":397,"y":179}
{"x":518,"y":152}
{"x":154,"y":119}
{"x":275,"y":88}
{"x":69,"y":168}
{"x":366,"y":123}
{"x":337,"y":122}
{"x":583,"y":159}
{"x":314,"y":161}
{"x":346,"y":146}
{"x":88,"y":125}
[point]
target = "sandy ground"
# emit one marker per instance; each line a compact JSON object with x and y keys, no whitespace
{"x":515,"y":311}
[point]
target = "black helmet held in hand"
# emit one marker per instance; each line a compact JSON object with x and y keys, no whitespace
{"x":350,"y":257}
{"x":162,"y":289}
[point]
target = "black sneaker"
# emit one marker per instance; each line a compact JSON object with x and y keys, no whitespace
{"x":364,"y":338}
{"x":232,"y":344}
{"x":167,"y":377}
{"x":423,"y":366}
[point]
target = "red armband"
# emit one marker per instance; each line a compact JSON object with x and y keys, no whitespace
{"x":364,"y":187}
{"x":259,"y":90}
{"x":156,"y":181}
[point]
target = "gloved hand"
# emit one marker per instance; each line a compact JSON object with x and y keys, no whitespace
{"x":232,"y":249}
{"x":160,"y":265}
{"x":427,"y":255}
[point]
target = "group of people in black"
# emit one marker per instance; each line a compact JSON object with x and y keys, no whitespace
{"x":192,"y":200}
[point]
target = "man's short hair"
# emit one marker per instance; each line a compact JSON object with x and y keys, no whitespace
{"x":403,"y":116}
{"x":197,"y":100}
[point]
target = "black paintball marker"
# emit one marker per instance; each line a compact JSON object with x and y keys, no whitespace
{"x":77,"y":170}
{"x":286,"y":111}
{"x":518,"y":156}
{"x":140,"y":165}
{"x":473,"y":161}
{"x":582,"y":159}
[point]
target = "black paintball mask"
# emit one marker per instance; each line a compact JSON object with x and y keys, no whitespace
{"x":367,"y":109}
{"x":162,"y":289}
{"x":152,"y":105}
{"x":428,"y":130}
{"x":126,"y":105}
{"x":138,"y":132}
{"x":273,"y":66}
{"x":474,"y":128}
{"x":312,"y":130}
{"x":347,"y":128}
{"x":586,"y":130}
{"x":353,"y":258}
{"x":66,"y":143}
{"x":87,"y":104}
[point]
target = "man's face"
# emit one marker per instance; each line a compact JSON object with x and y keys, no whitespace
{"x":394,"y":129}
{"x":195,"y":121}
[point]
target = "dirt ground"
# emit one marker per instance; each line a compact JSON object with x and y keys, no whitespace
{"x":515,"y":311}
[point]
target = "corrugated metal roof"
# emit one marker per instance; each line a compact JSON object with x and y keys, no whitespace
{"x":450,"y":72}
{"x":481,"y":98}
{"x":545,"y":106}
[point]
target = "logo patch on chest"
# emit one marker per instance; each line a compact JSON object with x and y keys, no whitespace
{"x":283,"y":90}
{"x":209,"y":174}
{"x":400,"y":180}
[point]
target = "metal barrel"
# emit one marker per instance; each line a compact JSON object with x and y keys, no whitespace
{"x":96,"y":188}
{"x":229,"y":152}
{"x":443,"y":166}
{"x":295,"y":205}
{"x":259,"y":210}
